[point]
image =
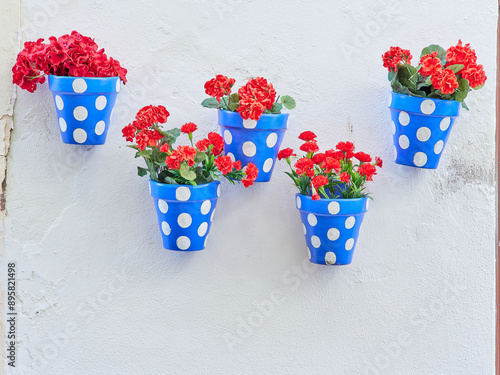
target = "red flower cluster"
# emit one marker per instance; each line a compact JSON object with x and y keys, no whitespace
{"x":142,"y":129}
{"x":255,"y":97}
{"x":182,"y":153}
{"x":396,"y":56}
{"x":472,"y":72}
{"x":219,"y":86}
{"x":445,"y":81}
{"x":188,"y":128}
{"x":224,"y":164}
{"x":252,"y":172}
{"x":330,"y":169}
{"x":430,"y":64}
{"x":69,"y":55}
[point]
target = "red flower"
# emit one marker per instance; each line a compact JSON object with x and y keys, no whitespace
{"x":285,"y":153}
{"x":188,"y":128}
{"x":302,"y":165}
{"x":362,"y":157}
{"x":395,"y":56}
{"x":334,"y":154}
{"x":173,"y":161}
{"x":129,"y":132}
{"x":147,"y":138}
{"x":219,"y":86}
{"x":460,"y":55}
{"x":252,"y":110}
{"x":318,"y":158}
{"x":252,"y":172}
{"x":367,"y":170}
{"x":430,"y":64}
{"x":315,"y":196}
{"x":186,"y":153}
{"x":217,"y":141}
{"x":237,"y":165}
{"x":345,"y":177}
{"x":319,"y":180}
{"x":310,"y":147}
{"x":331,"y":164}
{"x":307,"y":136}
{"x":203,"y":144}
{"x":445,"y":81}
{"x":345,"y":146}
{"x":165,"y":148}
{"x":378,"y":162}
{"x":255,"y":97}
{"x":474,"y":74}
{"x":224,"y":164}
{"x":149,"y":115}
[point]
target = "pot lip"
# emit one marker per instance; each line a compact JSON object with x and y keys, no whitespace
{"x":235,"y":113}
{"x":308,"y":197}
{"x":422,"y":98}
{"x":179,"y":185}
{"x":89,"y":78}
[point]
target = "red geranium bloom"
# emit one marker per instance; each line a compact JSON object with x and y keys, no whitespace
{"x":285,"y":153}
{"x":331,"y":164}
{"x":430,"y":64}
{"x":362,"y":157}
{"x":319,"y":180}
{"x":147,"y":138}
{"x":345,"y":146}
{"x":187,"y":153}
{"x":395,"y":56}
{"x":188,"y":128}
{"x":367,"y":170}
{"x":461,"y":55}
{"x":237,"y":165}
{"x":173,"y":161}
{"x":217,"y":141}
{"x":474,"y":74}
{"x":219,"y":86}
{"x":310,"y":147}
{"x":378,"y":162}
{"x":334,"y":154}
{"x":302,"y":165}
{"x":307,"y":136}
{"x":252,"y":171}
{"x":129,"y":132}
{"x":165,"y":148}
{"x":315,"y":196}
{"x":203,"y":145}
{"x":255,"y":97}
{"x":318,"y":158}
{"x":224,"y":164}
{"x":345,"y":177}
{"x":445,"y":81}
{"x":250,"y":109}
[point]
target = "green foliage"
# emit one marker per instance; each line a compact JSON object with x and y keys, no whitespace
{"x":435,"y":48}
{"x":288,"y":102}
{"x":212,"y":103}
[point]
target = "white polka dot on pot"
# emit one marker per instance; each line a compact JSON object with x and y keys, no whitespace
{"x":349,"y":244}
{"x":59,"y":102}
{"x":333,"y":234}
{"x":445,"y":123}
{"x":423,"y":134}
{"x":438,"y":147}
{"x":268,"y":164}
{"x":315,"y":241}
{"x":312,"y":220}
{"x":249,"y":149}
{"x":367,"y":203}
{"x":249,"y":124}
{"x":299,"y":202}
{"x":100,"y":102}
{"x":205,"y":207}
{"x":228,"y":137}
{"x":80,"y":113}
{"x":79,"y":85}
{"x":349,"y":222}
{"x":304,"y":229}
{"x":218,"y":190}
{"x":183,"y":242}
{"x":330,"y":258}
{"x":182,"y":193}
{"x":79,"y":135}
{"x":62,"y":124}
{"x":389,"y":101}
{"x":309,"y":253}
{"x":404,"y":142}
{"x":202,"y":229}
{"x":184,"y":220}
{"x":419,"y":159}
{"x":212,"y":215}
{"x":100,"y":127}
{"x":165,"y":228}
{"x":395,"y":152}
{"x":162,"y":205}
{"x":271,"y":140}
{"x":205,"y":243}
{"x":393,"y":128}
{"x":404,"y":118}
{"x":333,"y":208}
{"x":118,"y":85}
{"x":427,"y":106}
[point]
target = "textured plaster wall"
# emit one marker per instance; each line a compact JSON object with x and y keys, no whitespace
{"x":99,"y":295}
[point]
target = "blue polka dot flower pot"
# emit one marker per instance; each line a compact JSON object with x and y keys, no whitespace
{"x":185,"y":213}
{"x":84,"y":107}
{"x":331,"y":227}
{"x":251,"y":141}
{"x":420,"y":128}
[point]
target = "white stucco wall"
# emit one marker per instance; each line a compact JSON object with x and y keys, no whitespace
{"x":98,"y":293}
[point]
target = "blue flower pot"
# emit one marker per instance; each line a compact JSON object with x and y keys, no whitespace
{"x":331,"y":227}
{"x":251,"y":141}
{"x":420,"y":128}
{"x":185,"y":213}
{"x":84,"y":106}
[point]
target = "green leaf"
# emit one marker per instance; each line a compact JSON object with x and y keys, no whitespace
{"x":146,"y":154}
{"x":134,"y":147}
{"x":478,"y":87}
{"x":456,"y":67}
{"x":460,"y":96}
{"x":187,"y":173}
{"x":199,"y":157}
{"x":391,"y":75}
{"x":407,"y":76}
{"x":422,"y":84}
{"x":465,"y":106}
{"x":428,"y":81}
{"x":288,"y":102}
{"x":235,"y":97}
{"x":276,"y":108}
{"x":211,"y":103}
{"x":170,"y":180}
{"x":463,"y":85}
{"x":233,"y":106}
{"x":142,"y":171}
{"x":434,"y":48}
